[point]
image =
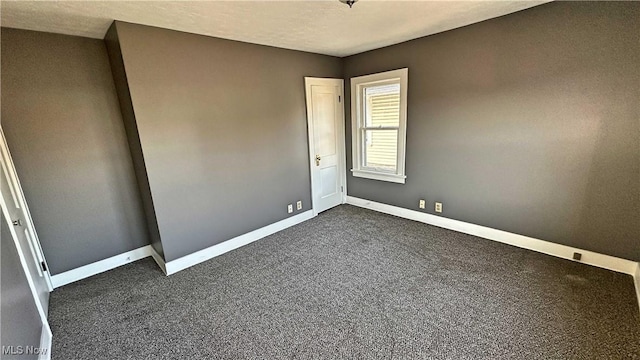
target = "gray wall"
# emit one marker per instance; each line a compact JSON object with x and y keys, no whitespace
{"x":128,"y":116}
{"x":222,"y":127}
{"x":527,"y":123}
{"x":20,"y":321}
{"x":62,"y":121}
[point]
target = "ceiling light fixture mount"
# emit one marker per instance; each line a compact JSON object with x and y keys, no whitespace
{"x":348,"y":2}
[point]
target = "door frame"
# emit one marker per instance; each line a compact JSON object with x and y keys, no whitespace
{"x":341,"y":143}
{"x":11,"y":170}
{"x":46,"y":334}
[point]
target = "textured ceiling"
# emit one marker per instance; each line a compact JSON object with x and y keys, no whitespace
{"x":325,"y":27}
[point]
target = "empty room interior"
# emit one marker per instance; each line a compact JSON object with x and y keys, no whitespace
{"x":327,"y":179}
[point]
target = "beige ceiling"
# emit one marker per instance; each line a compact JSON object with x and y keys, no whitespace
{"x":325,"y":27}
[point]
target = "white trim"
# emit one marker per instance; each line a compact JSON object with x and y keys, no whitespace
{"x":22,"y":201}
{"x":42,"y":311}
{"x":41,"y":306}
{"x":343,"y":145}
{"x":35,"y":240}
{"x":400,"y":179}
{"x":358,"y":84}
{"x":562,"y":251}
{"x":182,"y":263}
{"x":45,"y":343}
{"x":159,"y":260}
{"x":101,"y":266}
{"x":205,"y":254}
{"x":636,"y":280}
{"x":342,"y":158}
{"x":46,"y":334}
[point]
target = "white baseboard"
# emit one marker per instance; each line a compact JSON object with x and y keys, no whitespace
{"x":197,"y":257}
{"x":45,"y":342}
{"x":159,"y":260}
{"x":182,"y":263}
{"x":100,"y":266}
{"x":545,"y":247}
{"x":636,"y":280}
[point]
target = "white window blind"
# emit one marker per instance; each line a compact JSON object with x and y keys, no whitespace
{"x":381,"y":127}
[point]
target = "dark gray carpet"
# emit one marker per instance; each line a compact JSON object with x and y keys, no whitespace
{"x":353,"y":283}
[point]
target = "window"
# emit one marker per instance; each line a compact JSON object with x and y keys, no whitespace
{"x":379,"y":125}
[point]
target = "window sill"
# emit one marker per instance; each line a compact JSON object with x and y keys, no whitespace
{"x":374,"y":175}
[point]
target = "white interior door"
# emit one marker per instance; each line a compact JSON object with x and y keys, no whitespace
{"x":15,"y":211}
{"x":325,"y":119}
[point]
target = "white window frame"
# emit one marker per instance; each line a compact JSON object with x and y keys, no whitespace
{"x":358,"y":124}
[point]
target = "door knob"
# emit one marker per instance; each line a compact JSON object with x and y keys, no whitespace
{"x":17,"y":222}
{"x":318,"y":160}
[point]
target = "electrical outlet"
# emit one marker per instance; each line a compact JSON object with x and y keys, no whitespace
{"x":299,"y":205}
{"x":438,"y":207}
{"x":422,"y":204}
{"x":290,"y":208}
